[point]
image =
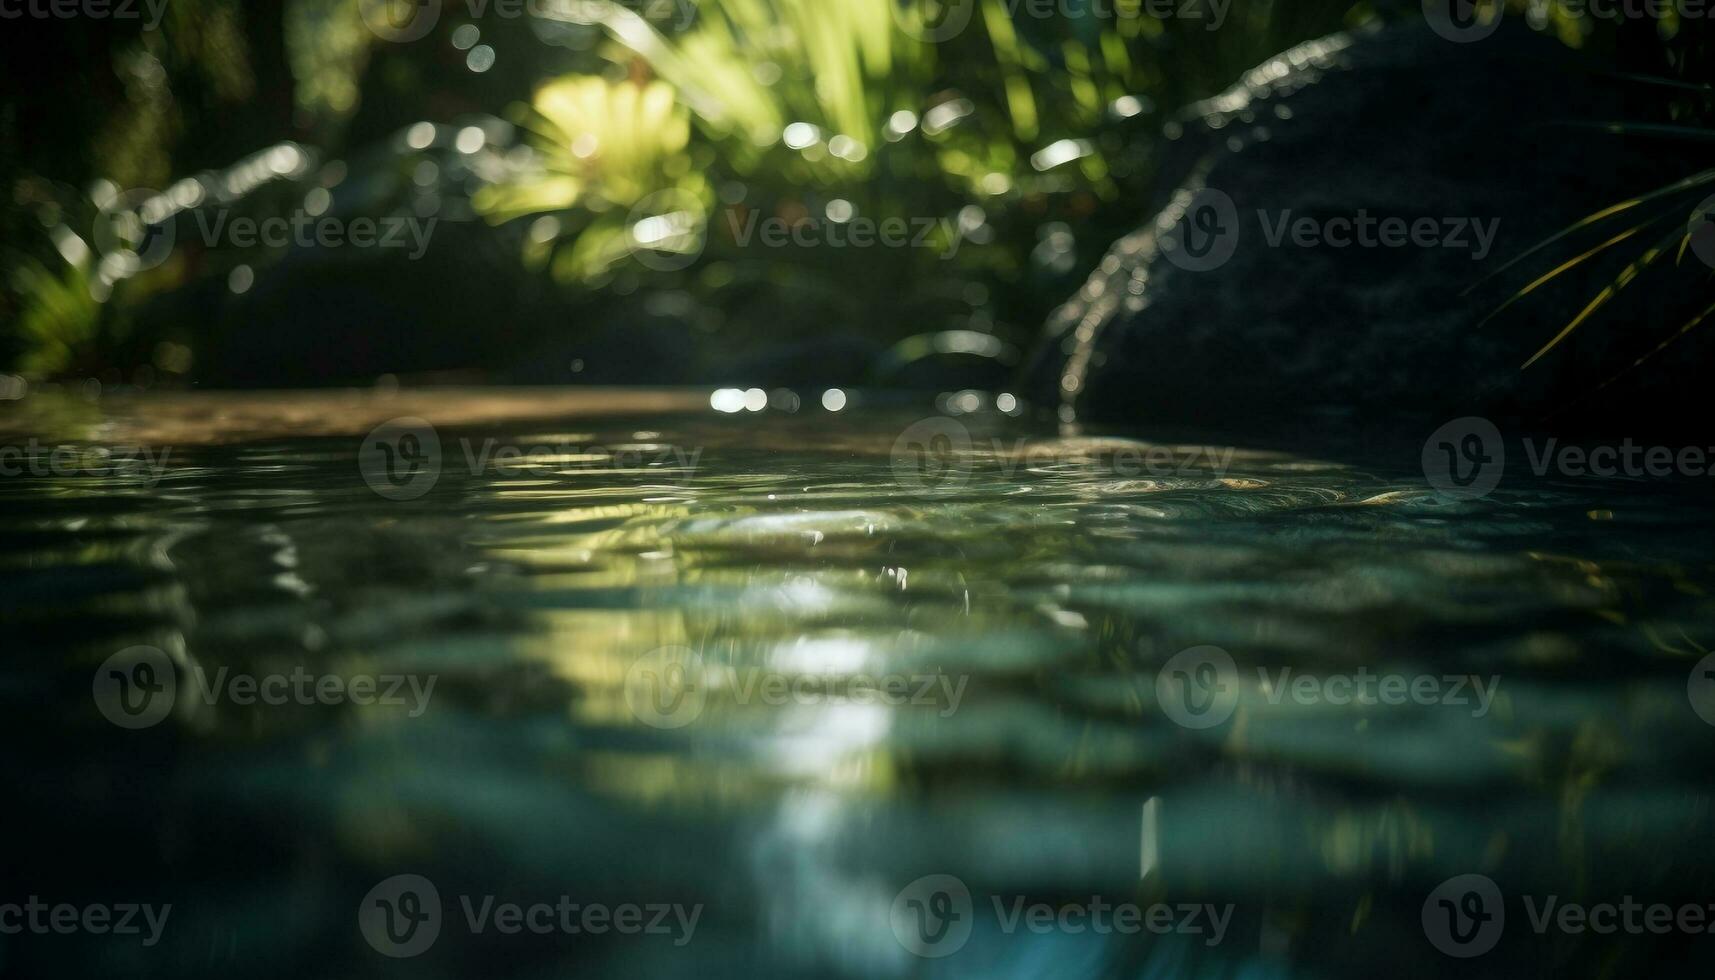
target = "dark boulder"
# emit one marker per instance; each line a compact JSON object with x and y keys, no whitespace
{"x":1200,"y":320}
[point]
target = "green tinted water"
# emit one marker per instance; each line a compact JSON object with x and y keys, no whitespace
{"x":778,"y":668}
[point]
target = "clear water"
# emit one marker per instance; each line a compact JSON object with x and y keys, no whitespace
{"x":1026,"y":589}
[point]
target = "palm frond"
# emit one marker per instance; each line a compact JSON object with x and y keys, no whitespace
{"x":1673,"y":83}
{"x":1701,"y":318}
{"x":1621,"y":280}
{"x":1697,"y":134}
{"x":1698,"y":179}
{"x":1570,"y":264}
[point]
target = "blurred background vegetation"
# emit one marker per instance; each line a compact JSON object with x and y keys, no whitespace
{"x":587,"y":163}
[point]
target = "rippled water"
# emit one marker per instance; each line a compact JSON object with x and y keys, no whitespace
{"x":772,"y":670}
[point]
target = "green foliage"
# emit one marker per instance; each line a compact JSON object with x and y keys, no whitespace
{"x":1023,"y":144}
{"x":1658,"y":223}
{"x":61,"y":317}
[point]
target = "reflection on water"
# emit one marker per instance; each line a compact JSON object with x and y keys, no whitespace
{"x":778,"y":668}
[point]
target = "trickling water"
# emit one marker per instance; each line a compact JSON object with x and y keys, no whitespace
{"x":627,"y":650}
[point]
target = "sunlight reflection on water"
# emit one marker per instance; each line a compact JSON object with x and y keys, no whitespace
{"x":786,"y":681}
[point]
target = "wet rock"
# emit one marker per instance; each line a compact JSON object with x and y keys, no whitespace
{"x":1321,"y":257}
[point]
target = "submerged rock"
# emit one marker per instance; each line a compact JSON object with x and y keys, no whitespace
{"x":1330,"y":215}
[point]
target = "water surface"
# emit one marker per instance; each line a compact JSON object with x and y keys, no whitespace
{"x":778,"y":667}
